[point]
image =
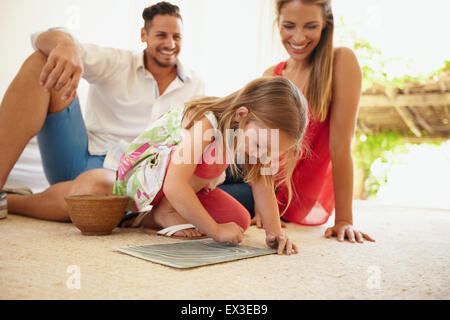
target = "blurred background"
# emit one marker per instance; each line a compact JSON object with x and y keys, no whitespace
{"x":401,"y":149}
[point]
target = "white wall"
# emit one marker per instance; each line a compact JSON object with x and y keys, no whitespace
{"x":227,"y":42}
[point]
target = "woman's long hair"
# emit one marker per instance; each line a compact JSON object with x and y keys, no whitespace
{"x":319,"y":90}
{"x":272,"y":102}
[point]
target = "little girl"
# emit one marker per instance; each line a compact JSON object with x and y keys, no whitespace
{"x":171,"y":170}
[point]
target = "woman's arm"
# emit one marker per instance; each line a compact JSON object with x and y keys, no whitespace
{"x":182,"y":196}
{"x":347,"y":79}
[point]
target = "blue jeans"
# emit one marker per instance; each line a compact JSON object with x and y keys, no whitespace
{"x":63,"y":143}
{"x":239,"y":190}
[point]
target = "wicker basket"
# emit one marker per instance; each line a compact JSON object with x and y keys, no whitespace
{"x":96,"y":215}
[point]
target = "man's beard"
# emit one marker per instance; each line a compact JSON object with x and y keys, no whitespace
{"x":163,"y":65}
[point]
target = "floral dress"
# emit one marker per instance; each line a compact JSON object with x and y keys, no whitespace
{"x":142,"y":167}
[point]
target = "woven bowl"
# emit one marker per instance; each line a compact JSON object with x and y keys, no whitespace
{"x":96,"y":215}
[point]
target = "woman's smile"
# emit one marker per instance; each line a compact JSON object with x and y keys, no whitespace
{"x":298,"y":47}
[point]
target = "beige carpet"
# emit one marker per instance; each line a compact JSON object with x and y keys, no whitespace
{"x":410,"y":260}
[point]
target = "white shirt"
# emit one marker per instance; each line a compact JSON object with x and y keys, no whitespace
{"x":123,"y":97}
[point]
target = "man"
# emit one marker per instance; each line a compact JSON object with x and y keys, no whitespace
{"x":127,"y":92}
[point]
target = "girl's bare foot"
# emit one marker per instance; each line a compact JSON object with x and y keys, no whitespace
{"x":163,"y":216}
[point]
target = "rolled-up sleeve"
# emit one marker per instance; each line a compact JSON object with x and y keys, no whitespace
{"x":35,"y":35}
{"x":99,"y":63}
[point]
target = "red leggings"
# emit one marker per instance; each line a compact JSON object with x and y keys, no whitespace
{"x":222,"y":207}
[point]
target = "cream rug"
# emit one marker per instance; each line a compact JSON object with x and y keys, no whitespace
{"x":410,"y":260}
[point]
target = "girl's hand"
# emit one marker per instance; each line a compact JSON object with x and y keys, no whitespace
{"x":229,"y":233}
{"x":343,"y":230}
{"x":281,"y":242}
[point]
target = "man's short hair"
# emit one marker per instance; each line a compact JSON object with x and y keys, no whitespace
{"x":162,"y":8}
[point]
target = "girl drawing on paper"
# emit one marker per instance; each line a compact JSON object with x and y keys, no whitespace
{"x":171,"y":174}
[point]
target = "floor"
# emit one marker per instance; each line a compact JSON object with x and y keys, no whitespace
{"x":409,"y":260}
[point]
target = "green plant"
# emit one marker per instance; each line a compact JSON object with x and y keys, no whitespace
{"x":377,"y":151}
{"x":374,"y":63}
{"x":369,"y":149}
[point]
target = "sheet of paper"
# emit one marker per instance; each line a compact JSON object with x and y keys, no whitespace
{"x":196,"y":253}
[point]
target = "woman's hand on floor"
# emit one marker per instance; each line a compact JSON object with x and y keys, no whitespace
{"x":256,"y":221}
{"x":343,"y":230}
{"x":281,"y":242}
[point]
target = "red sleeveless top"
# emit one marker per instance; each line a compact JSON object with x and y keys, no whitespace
{"x":312,"y":181}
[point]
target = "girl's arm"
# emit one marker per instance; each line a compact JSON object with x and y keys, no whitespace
{"x":182,"y":196}
{"x":267,"y":207}
{"x":256,"y":220}
{"x":347,"y":79}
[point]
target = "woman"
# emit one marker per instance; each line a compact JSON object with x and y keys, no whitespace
{"x":331,"y":79}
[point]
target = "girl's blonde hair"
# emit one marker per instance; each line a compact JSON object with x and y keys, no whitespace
{"x":319,"y":90}
{"x":272,"y":102}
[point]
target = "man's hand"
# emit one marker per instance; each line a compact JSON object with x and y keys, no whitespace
{"x":63,"y":67}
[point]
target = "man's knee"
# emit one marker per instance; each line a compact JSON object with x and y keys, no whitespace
{"x":57,"y":104}
{"x":29,"y":74}
{"x":33,"y":66}
{"x":35,"y":62}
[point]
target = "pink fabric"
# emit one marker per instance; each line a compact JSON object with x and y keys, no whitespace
{"x":210,"y":168}
{"x":125,"y":164}
{"x":313,"y":201}
{"x":222,"y":207}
